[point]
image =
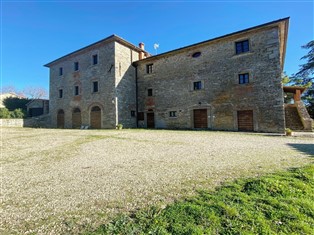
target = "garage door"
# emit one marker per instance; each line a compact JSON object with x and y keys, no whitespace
{"x":60,"y":119}
{"x":245,"y":120}
{"x":95,"y":118}
{"x":76,"y":118}
{"x":33,"y":112}
{"x":200,"y":118}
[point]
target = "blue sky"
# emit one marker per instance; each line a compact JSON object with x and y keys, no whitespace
{"x":34,"y":33}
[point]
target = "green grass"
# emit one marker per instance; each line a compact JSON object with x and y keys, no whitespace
{"x":280,"y":203}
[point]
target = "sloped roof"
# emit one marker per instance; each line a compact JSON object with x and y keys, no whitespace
{"x":103,"y":41}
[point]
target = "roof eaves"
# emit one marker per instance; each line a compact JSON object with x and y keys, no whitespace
{"x":213,"y":39}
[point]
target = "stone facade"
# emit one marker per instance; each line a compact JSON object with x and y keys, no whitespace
{"x":100,"y":75}
{"x":192,"y":87}
{"x":217,"y":67}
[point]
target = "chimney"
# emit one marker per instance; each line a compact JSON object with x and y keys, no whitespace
{"x":141,"y":54}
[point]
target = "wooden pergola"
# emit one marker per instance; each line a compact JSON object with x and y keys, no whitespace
{"x":296,"y":90}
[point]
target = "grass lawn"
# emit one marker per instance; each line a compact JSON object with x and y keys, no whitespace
{"x":280,"y":203}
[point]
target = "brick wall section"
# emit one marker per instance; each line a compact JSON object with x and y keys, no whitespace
{"x":217,"y":68}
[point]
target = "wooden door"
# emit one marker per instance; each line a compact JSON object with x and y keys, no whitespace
{"x":200,"y":118}
{"x":95,"y":118}
{"x":150,"y":120}
{"x":245,"y":120}
{"x":76,"y":118}
{"x":60,"y":119}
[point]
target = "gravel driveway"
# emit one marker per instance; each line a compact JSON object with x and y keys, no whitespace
{"x":66,"y":181}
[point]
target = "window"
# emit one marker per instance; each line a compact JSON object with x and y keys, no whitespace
{"x":242,"y":47}
{"x":150,"y":92}
{"x":95,"y":59}
{"x":76,"y":90}
{"x":60,"y":71}
{"x":76,"y":66}
{"x":95,"y":86}
{"x":243,"y":78}
{"x":149,"y":68}
{"x":196,"y":54}
{"x":132,"y":113}
{"x":60,"y":93}
{"x":197,"y":85}
{"x":172,"y":113}
{"x":140,"y":116}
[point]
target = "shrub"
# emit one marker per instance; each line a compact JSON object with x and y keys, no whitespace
{"x":17,"y":113}
{"x":4,"y":113}
{"x":119,"y":126}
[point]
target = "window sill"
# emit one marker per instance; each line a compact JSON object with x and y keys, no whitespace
{"x":243,"y":54}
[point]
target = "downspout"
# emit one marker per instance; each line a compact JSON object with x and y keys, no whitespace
{"x":136,"y":96}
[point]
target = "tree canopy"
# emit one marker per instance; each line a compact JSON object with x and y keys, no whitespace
{"x":305,"y":77}
{"x":12,"y":103}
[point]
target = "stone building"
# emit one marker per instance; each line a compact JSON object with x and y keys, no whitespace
{"x":95,"y":86}
{"x":37,"y":107}
{"x":232,"y":82}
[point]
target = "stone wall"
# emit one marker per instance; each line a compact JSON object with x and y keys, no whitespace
{"x":12,"y":122}
{"x":217,"y":68}
{"x":37,"y":122}
{"x":125,"y":84}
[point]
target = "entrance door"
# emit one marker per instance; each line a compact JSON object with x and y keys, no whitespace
{"x":76,"y":118}
{"x":60,"y":119}
{"x":200,"y":118}
{"x":245,"y":120}
{"x":95,"y":118}
{"x":150,"y":120}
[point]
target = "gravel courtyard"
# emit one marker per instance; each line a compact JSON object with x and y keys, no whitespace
{"x":66,"y":181}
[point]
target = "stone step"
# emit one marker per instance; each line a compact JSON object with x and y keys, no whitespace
{"x":293,"y":120}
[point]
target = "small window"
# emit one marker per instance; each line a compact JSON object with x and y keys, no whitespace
{"x":242,"y":47}
{"x":95,"y":59}
{"x":76,"y":90}
{"x":132,"y":113}
{"x":76,"y":66}
{"x":197,"y":85}
{"x":60,"y":71}
{"x":149,"y":68}
{"x":243,"y":78}
{"x":140,"y":116}
{"x":196,"y":54}
{"x":150,"y":92}
{"x":60,"y":93}
{"x":95,"y":86}
{"x":172,"y":113}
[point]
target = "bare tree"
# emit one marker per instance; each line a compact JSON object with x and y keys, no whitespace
{"x":35,"y":92}
{"x":12,"y":89}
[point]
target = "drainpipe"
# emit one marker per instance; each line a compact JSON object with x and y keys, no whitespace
{"x":136,"y":96}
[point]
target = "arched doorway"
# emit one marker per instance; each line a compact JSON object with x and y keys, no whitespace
{"x":95,"y":117}
{"x":76,"y":118}
{"x":60,"y":119}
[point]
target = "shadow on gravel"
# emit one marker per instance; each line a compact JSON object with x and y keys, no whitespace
{"x":305,"y":148}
